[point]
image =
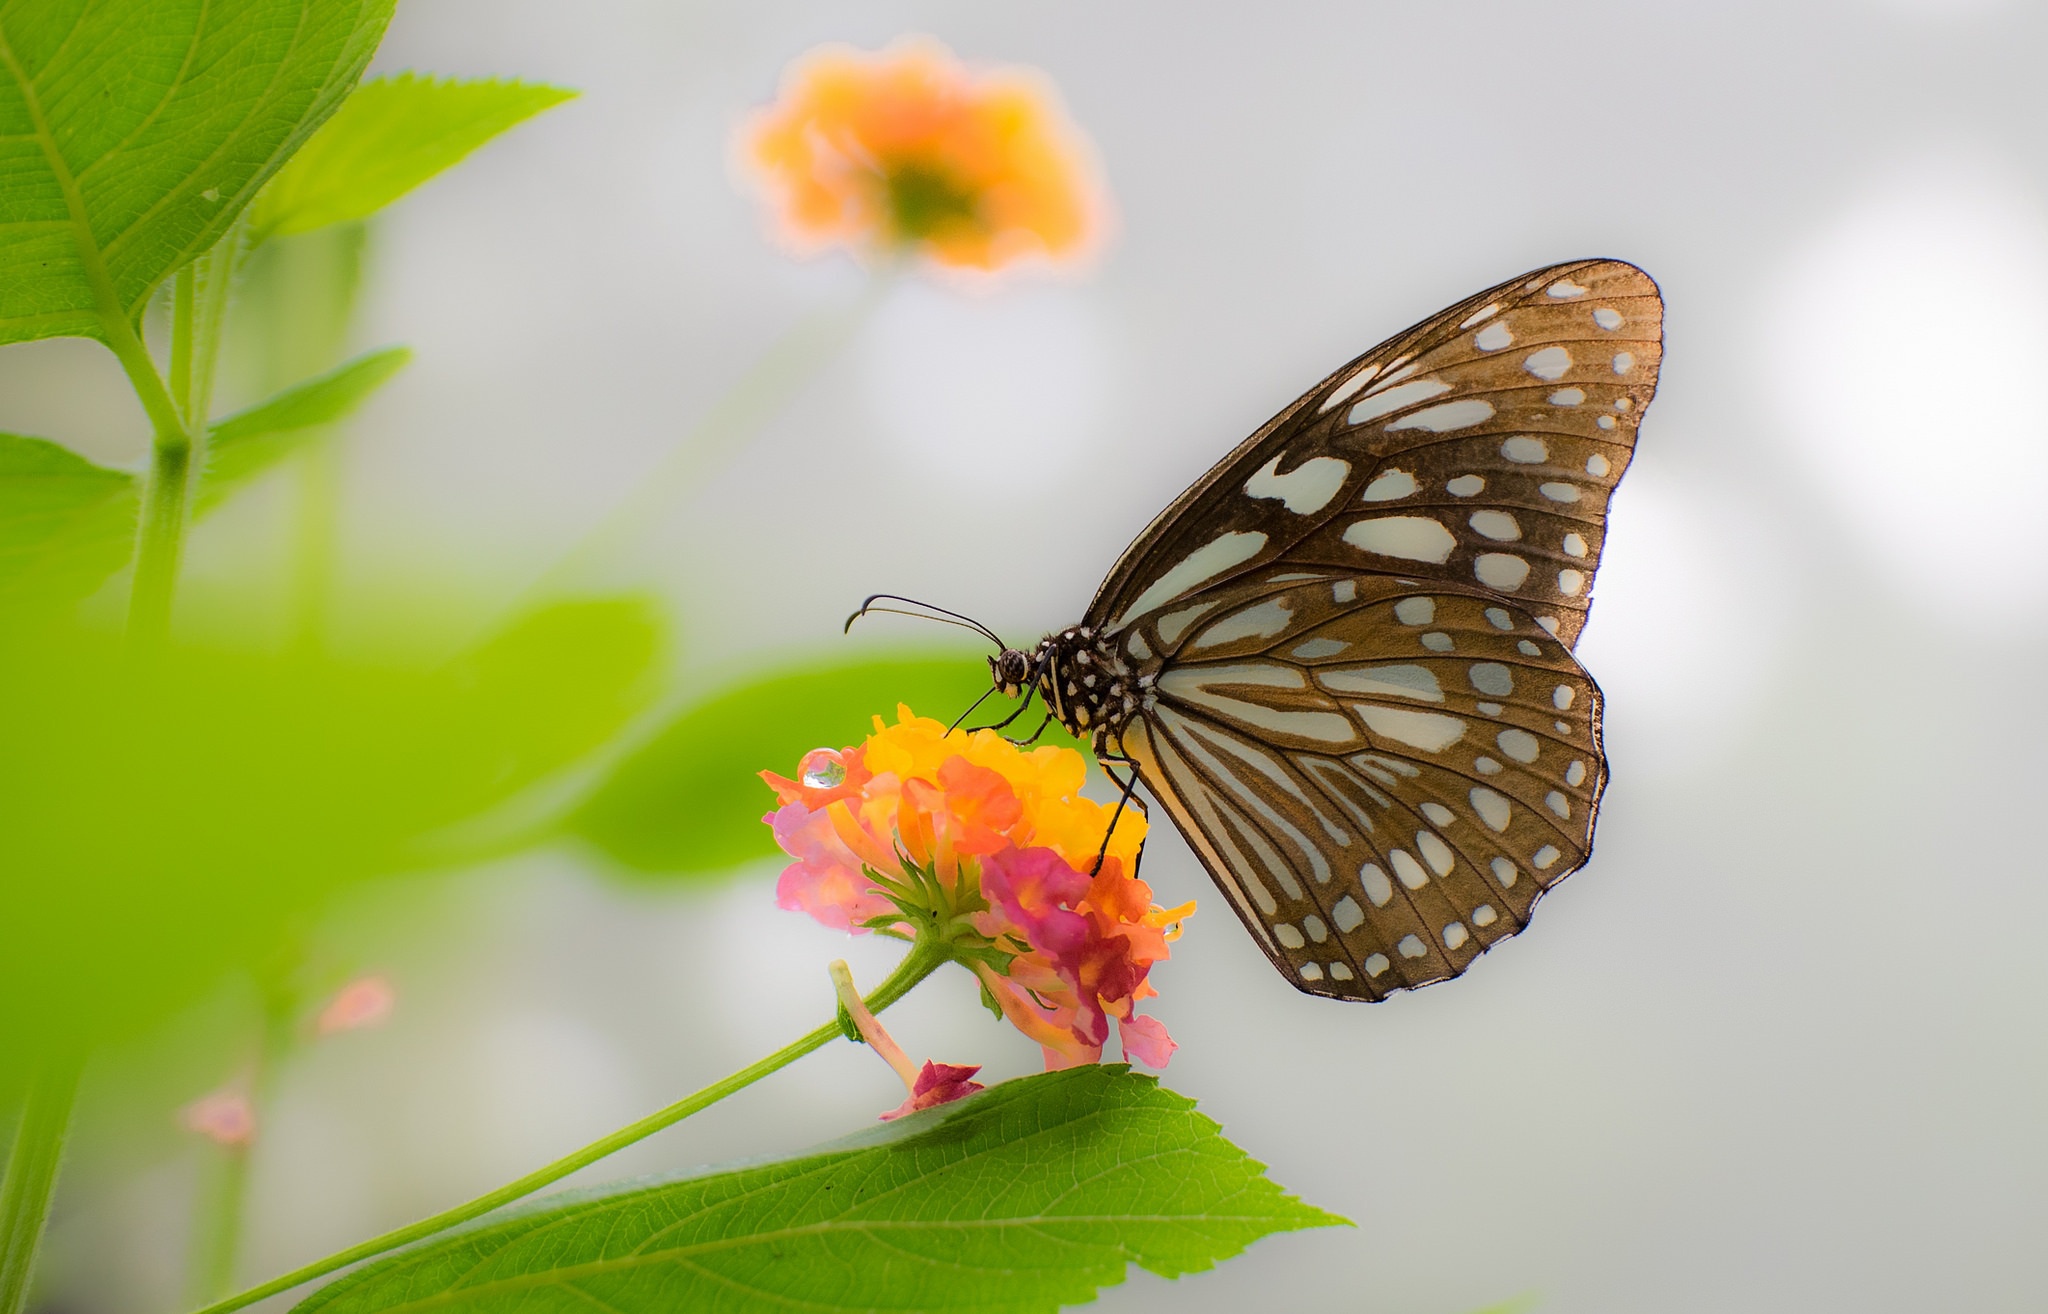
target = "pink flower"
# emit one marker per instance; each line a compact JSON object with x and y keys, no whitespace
{"x":225,"y":1116}
{"x":993,"y":853}
{"x":364,"y":1002}
{"x":936,"y":1084}
{"x":939,"y":1083}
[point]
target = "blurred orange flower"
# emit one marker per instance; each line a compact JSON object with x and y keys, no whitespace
{"x":908,"y":149}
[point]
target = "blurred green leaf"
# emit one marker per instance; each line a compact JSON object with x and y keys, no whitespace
{"x":690,"y":801}
{"x":133,"y":132}
{"x":160,"y":825}
{"x":65,"y":523}
{"x":249,"y":442}
{"x":1033,"y":1195}
{"x":391,"y":136}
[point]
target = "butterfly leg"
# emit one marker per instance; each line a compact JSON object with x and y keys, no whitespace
{"x":1022,"y":707}
{"x":1126,"y":796}
{"x":1021,"y":743}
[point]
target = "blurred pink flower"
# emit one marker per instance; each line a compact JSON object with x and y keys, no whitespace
{"x":225,"y":1116}
{"x":366,"y":1001}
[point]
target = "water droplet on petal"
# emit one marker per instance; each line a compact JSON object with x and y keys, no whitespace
{"x":823,"y":769}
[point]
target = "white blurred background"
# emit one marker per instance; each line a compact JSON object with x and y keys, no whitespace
{"x":1780,"y":1047}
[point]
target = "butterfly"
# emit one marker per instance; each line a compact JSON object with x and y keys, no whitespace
{"x":1342,"y":660}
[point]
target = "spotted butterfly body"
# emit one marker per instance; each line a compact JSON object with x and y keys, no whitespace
{"x":1342,"y":660}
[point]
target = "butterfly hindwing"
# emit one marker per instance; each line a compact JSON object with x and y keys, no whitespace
{"x":1478,"y":448}
{"x":1383,"y":776}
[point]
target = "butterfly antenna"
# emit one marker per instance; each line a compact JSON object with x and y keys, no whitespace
{"x":986,"y":695}
{"x":944,"y":617}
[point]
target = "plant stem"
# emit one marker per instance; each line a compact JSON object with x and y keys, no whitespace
{"x":218,"y":1228}
{"x":179,"y":414}
{"x":32,"y":1177}
{"x":160,"y":545}
{"x":922,"y":960}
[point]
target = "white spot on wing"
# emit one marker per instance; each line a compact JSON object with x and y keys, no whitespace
{"x":1525,"y":450}
{"x":1417,"y":682}
{"x":1411,"y":946}
{"x":1262,"y":620}
{"x":1342,"y":392}
{"x":1435,"y":852}
{"x":1412,"y":538}
{"x":1564,"y":289}
{"x":1568,"y":397}
{"x":1486,"y":311}
{"x":1497,"y":525}
{"x":1557,"y":492}
{"x":1608,"y":318}
{"x":1519,"y":745}
{"x":1597,"y":466}
{"x":1304,"y":490}
{"x":1493,"y":337}
{"x":1376,"y":964}
{"x":1624,"y":361}
{"x":1570,"y":581}
{"x":1484,"y":915}
{"x":1194,"y":684}
{"x":1575,"y":544}
{"x":1504,"y":872}
{"x":1315,"y":648}
{"x":1347,"y":914}
{"x":1389,"y":400}
{"x":1491,"y":807}
{"x":1388,"y":487}
{"x":1549,"y":364}
{"x":1377,"y":886}
{"x":1431,"y":732}
{"x":1415,"y":611}
{"x":1408,"y":869}
{"x":1205,"y":563}
{"x":1500,"y":570}
{"x":1287,"y":935}
{"x":1175,"y":623}
{"x":1455,"y":935}
{"x":1465,"y":486}
{"x":1448,"y":416}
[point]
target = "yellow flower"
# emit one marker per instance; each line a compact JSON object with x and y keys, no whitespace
{"x":909,"y":150}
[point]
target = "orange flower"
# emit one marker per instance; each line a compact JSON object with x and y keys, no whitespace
{"x":992,"y":852}
{"x":908,"y":149}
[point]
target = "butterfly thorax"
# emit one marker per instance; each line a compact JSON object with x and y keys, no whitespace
{"x":1087,"y":685}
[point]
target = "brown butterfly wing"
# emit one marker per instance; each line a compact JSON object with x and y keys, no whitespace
{"x":1477,"y":448}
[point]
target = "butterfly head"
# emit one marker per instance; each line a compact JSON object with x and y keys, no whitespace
{"x":1012,"y":669}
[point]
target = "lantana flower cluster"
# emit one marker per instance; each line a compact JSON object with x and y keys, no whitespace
{"x":907,"y":149}
{"x":990,"y":851}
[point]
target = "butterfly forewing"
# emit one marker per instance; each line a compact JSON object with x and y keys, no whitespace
{"x":1383,"y":776}
{"x":1364,"y":712}
{"x":1479,"y":448}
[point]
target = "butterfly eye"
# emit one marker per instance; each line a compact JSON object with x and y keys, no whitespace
{"x":1011,"y":668}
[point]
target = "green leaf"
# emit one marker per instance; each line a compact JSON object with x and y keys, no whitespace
{"x":159,"y":826}
{"x":1030,"y":1196}
{"x":133,"y":132}
{"x":65,"y":523}
{"x":690,"y":801}
{"x":391,"y":136}
{"x":249,"y":442}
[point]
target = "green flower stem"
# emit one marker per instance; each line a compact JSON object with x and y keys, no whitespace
{"x":32,"y":1178}
{"x":218,"y":1228}
{"x":179,"y":413}
{"x":923,"y":959}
